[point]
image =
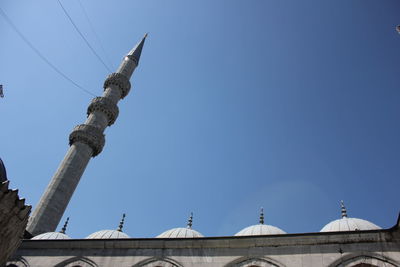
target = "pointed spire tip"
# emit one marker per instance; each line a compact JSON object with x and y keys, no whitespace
{"x":136,"y":52}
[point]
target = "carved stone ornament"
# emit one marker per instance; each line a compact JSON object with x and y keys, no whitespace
{"x":106,"y":106}
{"x":89,"y":135}
{"x":120,"y":81}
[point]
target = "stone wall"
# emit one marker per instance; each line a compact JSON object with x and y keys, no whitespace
{"x":13,"y":219}
{"x":376,"y":247}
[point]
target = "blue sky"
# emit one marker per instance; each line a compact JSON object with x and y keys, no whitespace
{"x":288,"y":105}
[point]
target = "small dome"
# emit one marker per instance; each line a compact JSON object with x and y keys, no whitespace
{"x":260,"y":229}
{"x":107,"y":234}
{"x":54,"y":235}
{"x":110,"y":234}
{"x":348,"y":224}
{"x":180,"y":233}
{"x":51,"y":235}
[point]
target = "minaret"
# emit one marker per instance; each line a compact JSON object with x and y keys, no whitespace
{"x":86,"y":141}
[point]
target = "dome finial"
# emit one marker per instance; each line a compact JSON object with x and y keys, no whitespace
{"x":190,"y":221}
{"x":64,"y":227}
{"x":262,"y":216}
{"x":121,"y":223}
{"x":344,"y":211}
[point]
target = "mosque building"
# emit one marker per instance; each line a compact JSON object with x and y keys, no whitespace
{"x":343,"y":242}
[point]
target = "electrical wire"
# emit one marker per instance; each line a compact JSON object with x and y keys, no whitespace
{"x":83,"y":37}
{"x":9,"y":21}
{"x":95,"y":33}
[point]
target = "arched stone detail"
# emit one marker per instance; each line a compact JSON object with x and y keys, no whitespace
{"x":18,"y":262}
{"x":258,"y":262}
{"x":373,"y":259}
{"x":90,"y":135}
{"x":156,"y":262}
{"x":120,"y":81}
{"x":105,"y":105}
{"x":77,"y":261}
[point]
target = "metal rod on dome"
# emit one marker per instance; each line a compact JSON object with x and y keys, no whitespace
{"x":64,"y":227}
{"x":262,"y":216}
{"x":121,"y":223}
{"x":344,"y":211}
{"x":190,"y":221}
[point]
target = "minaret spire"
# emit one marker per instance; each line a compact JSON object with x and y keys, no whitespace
{"x":86,"y":141}
{"x":137,"y":50}
{"x":344,"y":211}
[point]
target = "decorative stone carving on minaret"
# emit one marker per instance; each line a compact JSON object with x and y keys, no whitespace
{"x":86,"y":140}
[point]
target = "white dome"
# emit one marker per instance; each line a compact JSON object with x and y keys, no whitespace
{"x":107,"y":234}
{"x":180,"y":233}
{"x":51,"y":235}
{"x":349,"y":224}
{"x":260,"y":229}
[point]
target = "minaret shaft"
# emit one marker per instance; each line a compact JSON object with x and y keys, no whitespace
{"x":86,"y":140}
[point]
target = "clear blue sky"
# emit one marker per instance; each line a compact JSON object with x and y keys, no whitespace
{"x":289,"y":105}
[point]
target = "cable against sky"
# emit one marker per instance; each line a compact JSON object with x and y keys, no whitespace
{"x":83,"y":37}
{"x":95,"y":33}
{"x":9,"y":21}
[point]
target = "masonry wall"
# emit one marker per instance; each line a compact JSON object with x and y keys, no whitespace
{"x":378,"y":248}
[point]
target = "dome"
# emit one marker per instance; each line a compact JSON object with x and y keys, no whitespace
{"x":51,"y":235}
{"x":260,"y":229}
{"x":107,"y":234}
{"x":348,"y":224}
{"x":180,"y":233}
{"x":54,"y":235}
{"x":110,"y":234}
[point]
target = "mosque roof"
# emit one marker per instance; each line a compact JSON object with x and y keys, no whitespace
{"x":260,"y":229}
{"x":348,"y":224}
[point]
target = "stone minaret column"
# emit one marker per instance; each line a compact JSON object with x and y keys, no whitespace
{"x":86,"y":141}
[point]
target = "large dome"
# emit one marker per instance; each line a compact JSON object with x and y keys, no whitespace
{"x":51,"y":235}
{"x":348,"y":224}
{"x":260,"y":229}
{"x":107,"y":234}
